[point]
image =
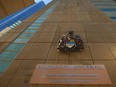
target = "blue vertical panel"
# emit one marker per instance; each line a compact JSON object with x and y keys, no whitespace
{"x":9,"y":16}
{"x":7,"y":55}
{"x":3,"y":66}
{"x":32,"y":10}
{"x":14,"y":47}
{"x":108,"y":7}
{"x":21,"y":15}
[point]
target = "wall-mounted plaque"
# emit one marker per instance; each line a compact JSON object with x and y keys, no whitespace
{"x":70,"y":74}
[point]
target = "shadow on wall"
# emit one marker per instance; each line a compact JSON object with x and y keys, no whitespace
{"x":45,"y":1}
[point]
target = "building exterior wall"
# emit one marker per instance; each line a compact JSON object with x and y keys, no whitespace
{"x":3,"y":12}
{"x":28,"y":2}
{"x":11,"y":6}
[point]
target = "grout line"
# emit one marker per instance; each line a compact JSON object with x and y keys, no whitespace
{"x":106,"y":44}
{"x":110,"y":51}
{"x":65,"y":59}
{"x":88,"y":45}
{"x":52,"y":42}
{"x":14,"y":74}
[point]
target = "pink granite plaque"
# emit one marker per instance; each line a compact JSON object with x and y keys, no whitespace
{"x":70,"y":74}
